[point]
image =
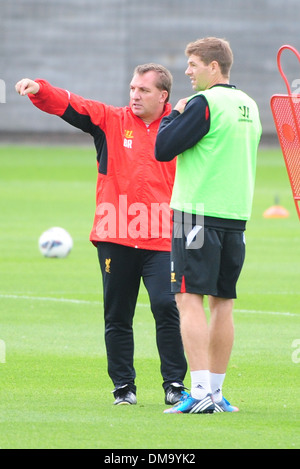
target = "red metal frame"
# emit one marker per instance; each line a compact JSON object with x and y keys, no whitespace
{"x":286,"y":114}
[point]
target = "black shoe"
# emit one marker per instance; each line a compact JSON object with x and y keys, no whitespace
{"x":174,"y":394}
{"x":124,"y":396}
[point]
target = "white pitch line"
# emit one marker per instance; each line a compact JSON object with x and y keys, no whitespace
{"x":59,"y":300}
{"x":254,"y":311}
{"x":141,"y":305}
{"x":41,"y":298}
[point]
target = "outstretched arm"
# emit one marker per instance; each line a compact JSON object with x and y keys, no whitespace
{"x":44,"y":96}
{"x":81,"y":113}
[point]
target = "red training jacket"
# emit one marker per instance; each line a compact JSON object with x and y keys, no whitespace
{"x":133,"y":189}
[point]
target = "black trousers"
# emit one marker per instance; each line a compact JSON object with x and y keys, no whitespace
{"x":122,"y":269}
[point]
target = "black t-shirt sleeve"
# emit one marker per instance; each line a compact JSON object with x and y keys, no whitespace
{"x":179,"y":132}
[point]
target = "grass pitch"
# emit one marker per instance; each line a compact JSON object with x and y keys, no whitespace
{"x":54,"y":388}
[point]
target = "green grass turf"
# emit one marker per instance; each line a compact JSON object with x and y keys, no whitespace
{"x":54,"y":388}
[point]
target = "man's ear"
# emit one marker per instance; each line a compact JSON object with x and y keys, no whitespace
{"x":164,"y":96}
{"x":214,"y":67}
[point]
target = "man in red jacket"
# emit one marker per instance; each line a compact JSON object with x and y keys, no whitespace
{"x":132,"y":225}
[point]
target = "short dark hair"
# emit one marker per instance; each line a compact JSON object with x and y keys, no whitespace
{"x":165,"y":79}
{"x":209,"y":49}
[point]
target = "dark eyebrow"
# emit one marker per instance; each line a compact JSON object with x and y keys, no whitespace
{"x":143,"y":88}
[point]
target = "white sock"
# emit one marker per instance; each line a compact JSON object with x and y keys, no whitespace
{"x":216,"y":383}
{"x":200,"y":384}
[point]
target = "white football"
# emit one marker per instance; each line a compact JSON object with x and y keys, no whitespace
{"x":55,"y":242}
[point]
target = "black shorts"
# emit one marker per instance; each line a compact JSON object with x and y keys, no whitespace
{"x":211,"y":264}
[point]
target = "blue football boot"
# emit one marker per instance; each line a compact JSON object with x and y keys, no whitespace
{"x":225,"y":406}
{"x":189,"y":405}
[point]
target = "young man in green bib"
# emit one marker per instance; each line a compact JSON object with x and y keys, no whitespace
{"x":215,"y":135}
